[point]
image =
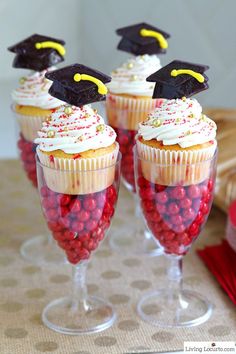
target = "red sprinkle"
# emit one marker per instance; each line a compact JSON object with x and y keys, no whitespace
{"x":77,"y":156}
{"x":51,"y":158}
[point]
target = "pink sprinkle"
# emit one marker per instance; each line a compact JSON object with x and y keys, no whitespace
{"x":51,"y":158}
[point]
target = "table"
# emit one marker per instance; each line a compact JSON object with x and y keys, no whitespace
{"x":26,"y":289}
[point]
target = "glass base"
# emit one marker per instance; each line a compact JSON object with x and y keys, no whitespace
{"x":187,"y":310}
{"x":94,"y":315}
{"x":126,"y":241}
{"x":42,"y":250}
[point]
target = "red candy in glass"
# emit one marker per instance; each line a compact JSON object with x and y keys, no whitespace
{"x":39,"y":249}
{"x":27,"y":155}
{"x":78,"y":222}
{"x":175,"y":205}
{"x":133,"y":238}
{"x":78,"y":206}
{"x":126,"y":140}
{"x":175,"y":215}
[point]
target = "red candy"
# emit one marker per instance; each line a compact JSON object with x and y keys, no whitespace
{"x":175,"y":215}
{"x":91,"y":225}
{"x":205,"y":208}
{"x":27,"y":154}
{"x":194,"y":191}
{"x":176,"y":219}
{"x":64,"y":211}
{"x":96,"y":214}
{"x":210,"y":185}
{"x":161,"y":208}
{"x":189,"y":214}
{"x":64,"y":199}
{"x":77,"y":226}
{"x":173,"y":208}
{"x":126,"y":140}
{"x":83,"y":215}
{"x":89,"y":204}
{"x":178,"y":193}
{"x":78,"y":223}
{"x":162,"y":197}
{"x":185,"y":203}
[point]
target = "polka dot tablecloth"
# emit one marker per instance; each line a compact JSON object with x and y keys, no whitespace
{"x":26,"y":289}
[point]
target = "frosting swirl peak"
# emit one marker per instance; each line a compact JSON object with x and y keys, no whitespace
{"x":130,"y":78}
{"x":33,"y":91}
{"x":179,"y":121}
{"x":73,"y":130}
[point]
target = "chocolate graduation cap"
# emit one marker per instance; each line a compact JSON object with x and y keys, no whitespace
{"x":38,"y":52}
{"x":142,"y":39}
{"x":179,"y":79}
{"x":78,"y":84}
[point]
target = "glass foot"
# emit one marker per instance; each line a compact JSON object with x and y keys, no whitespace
{"x":186,"y":310}
{"x":42,"y":250}
{"x":92,"y":315}
{"x":128,"y":241}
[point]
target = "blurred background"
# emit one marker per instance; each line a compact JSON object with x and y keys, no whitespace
{"x":201,"y":31}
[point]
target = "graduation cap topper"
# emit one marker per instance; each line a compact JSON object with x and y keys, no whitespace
{"x":179,"y":79}
{"x":142,"y":38}
{"x":78,"y":84}
{"x":38,"y":52}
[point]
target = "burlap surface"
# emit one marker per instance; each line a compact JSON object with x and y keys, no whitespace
{"x":26,"y":289}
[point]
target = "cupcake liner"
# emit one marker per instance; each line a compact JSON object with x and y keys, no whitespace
{"x":175,"y":167}
{"x":126,"y":113}
{"x":79,"y":176}
{"x":29,"y":125}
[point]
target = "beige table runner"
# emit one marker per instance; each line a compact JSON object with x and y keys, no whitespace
{"x":25,"y":289}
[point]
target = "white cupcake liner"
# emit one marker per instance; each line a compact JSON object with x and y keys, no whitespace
{"x":127,"y":113}
{"x":175,"y":167}
{"x":29,"y":125}
{"x":79,"y":176}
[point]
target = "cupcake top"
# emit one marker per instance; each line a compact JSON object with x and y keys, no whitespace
{"x":179,"y":121}
{"x":33,"y":91}
{"x":130,"y":78}
{"x":74,"y":130}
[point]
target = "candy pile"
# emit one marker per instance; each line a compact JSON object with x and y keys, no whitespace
{"x":175,"y":215}
{"x":78,"y":222}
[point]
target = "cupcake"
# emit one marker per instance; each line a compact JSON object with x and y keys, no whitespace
{"x":177,"y":135}
{"x":76,"y":138}
{"x":130,"y":96}
{"x":128,"y":91}
{"x":31,"y":102}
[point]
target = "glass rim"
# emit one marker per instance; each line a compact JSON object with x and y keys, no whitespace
{"x":118,"y":160}
{"x":135,"y":151}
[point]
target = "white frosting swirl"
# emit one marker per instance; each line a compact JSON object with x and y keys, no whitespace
{"x":179,"y":122}
{"x":33,"y":91}
{"x":81,"y":130}
{"x":130,"y":78}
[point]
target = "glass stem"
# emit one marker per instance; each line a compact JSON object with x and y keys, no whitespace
{"x":79,"y":288}
{"x":175,"y":278}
